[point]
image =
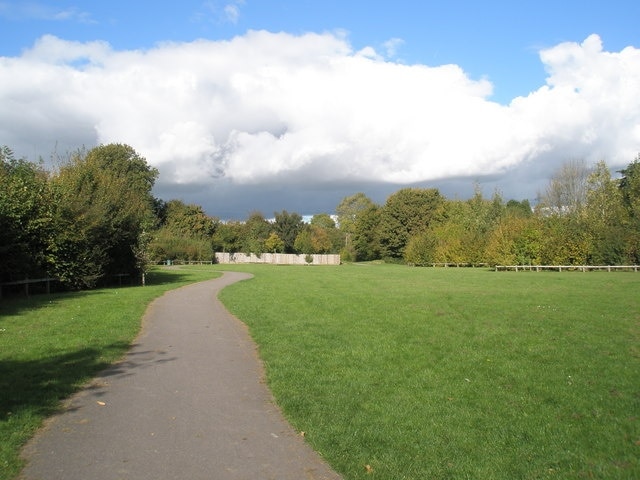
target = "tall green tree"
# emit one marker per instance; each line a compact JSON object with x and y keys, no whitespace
{"x":515,"y":240}
{"x":604,"y":218}
{"x":325,"y":226}
{"x":407,"y":212}
{"x":302,"y":243}
{"x":185,"y":233}
{"x":228,"y":237}
{"x":27,"y":226}
{"x":630,"y":189}
{"x":480,"y":216}
{"x":348,"y":210}
{"x":188,"y":220}
{"x":104,"y":205}
{"x":287,"y":226}
{"x":365,"y":242}
{"x":255,"y":233}
{"x":274,"y":243}
{"x":348,"y":213}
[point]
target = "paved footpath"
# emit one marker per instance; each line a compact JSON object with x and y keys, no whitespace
{"x":188,"y":402}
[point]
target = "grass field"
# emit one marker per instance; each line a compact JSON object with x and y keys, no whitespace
{"x":392,"y":372}
{"x":407,"y":373}
{"x":50,"y":345}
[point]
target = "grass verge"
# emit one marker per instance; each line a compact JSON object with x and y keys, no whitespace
{"x":407,"y":373}
{"x":50,"y":345}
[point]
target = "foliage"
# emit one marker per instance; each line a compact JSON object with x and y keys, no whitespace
{"x":95,"y":217}
{"x":323,"y":220}
{"x":185,"y":234}
{"x":365,"y":242}
{"x":26,"y":218}
{"x":604,"y":218}
{"x":515,"y":240}
{"x":103,"y":204}
{"x":302,"y":243}
{"x":564,"y":241}
{"x":167,"y":245}
{"x":630,"y":189}
{"x":567,"y":190}
{"x":449,"y":238}
{"x":407,"y":212}
{"x":287,"y":226}
{"x":349,"y":209}
{"x":228,"y":237}
{"x":274,"y":243}
{"x":256,"y":230}
{"x":188,"y":220}
{"x":420,"y":250}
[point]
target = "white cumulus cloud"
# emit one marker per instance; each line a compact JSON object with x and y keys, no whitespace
{"x":280,"y":109}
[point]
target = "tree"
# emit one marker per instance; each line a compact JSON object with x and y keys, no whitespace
{"x":365,"y":242}
{"x":420,"y":250}
{"x":348,"y":212}
{"x":185,"y":233}
{"x":287,"y":226}
{"x":256,"y":231}
{"x":303,"y":242}
{"x":228,"y":237}
{"x":564,"y":241}
{"x":104,"y":204}
{"x":407,"y":212}
{"x":566,"y":192}
{"x":274,"y":243}
{"x":515,"y":240}
{"x":26,"y":218}
{"x":630,"y":188}
{"x":522,"y":208}
{"x":327,"y":238}
{"x":320,"y":239}
{"x":604,"y":217}
{"x":479,"y":218}
{"x":188,"y":220}
{"x":349,"y":209}
{"x":323,"y":220}
{"x":448,"y":242}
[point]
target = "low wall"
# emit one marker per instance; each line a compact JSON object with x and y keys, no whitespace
{"x":278,"y":258}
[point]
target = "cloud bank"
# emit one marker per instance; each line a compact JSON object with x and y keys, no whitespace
{"x":278,"y":111}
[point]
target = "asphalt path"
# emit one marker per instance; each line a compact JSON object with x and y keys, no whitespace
{"x":187,"y":402}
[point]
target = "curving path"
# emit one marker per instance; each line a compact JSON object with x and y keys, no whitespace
{"x":187,"y":402}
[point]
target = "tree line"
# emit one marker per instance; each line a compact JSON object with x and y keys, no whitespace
{"x":94,"y":217}
{"x":584,"y":217}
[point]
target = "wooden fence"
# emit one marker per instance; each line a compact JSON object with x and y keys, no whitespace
{"x":459,"y":264}
{"x":30,"y":281}
{"x":278,"y":258}
{"x":560,"y":268}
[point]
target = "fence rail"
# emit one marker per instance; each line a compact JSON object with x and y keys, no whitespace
{"x":459,"y":264}
{"x":29,"y":281}
{"x":560,"y":268}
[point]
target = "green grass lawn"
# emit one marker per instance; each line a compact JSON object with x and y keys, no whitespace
{"x":423,"y":373}
{"x":50,"y":345}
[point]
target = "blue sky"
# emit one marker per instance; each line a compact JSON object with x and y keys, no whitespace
{"x":494,"y":39}
{"x":495,"y":46}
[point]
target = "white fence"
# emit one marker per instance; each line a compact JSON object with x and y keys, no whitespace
{"x":278,"y":258}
